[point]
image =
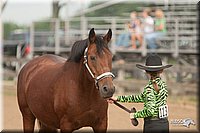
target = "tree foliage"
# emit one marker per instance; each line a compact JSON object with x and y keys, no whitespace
{"x":9,"y":27}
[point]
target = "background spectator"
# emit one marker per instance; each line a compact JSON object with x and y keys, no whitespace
{"x":148,"y":22}
{"x":136,"y":31}
{"x":160,"y":29}
{"x":137,"y":34}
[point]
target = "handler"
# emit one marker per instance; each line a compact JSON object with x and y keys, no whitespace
{"x":154,"y":97}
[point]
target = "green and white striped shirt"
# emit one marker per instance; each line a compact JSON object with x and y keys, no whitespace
{"x":151,"y":99}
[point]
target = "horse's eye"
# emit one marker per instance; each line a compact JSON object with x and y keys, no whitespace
{"x":93,"y":58}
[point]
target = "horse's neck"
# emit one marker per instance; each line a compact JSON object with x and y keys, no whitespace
{"x":84,"y":86}
{"x":81,"y":74}
{"x":87,"y":87}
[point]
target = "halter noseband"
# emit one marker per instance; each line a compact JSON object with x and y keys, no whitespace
{"x":100,"y":77}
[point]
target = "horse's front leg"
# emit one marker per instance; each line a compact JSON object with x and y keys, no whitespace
{"x":65,"y":131}
{"x":65,"y":125}
{"x":46,"y":129}
{"x":101,"y":126}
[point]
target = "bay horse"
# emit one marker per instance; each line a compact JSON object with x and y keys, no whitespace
{"x":68,"y":94}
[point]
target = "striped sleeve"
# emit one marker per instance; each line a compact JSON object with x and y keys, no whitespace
{"x":149,"y":109}
{"x":131,"y":98}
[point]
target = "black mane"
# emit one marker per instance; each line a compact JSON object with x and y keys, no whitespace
{"x":79,"y":47}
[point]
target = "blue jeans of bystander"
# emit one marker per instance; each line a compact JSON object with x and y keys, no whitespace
{"x":123,"y":39}
{"x":151,"y":39}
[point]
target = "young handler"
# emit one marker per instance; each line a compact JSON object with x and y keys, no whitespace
{"x":154,"y":97}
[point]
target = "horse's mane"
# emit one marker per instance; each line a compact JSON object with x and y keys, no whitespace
{"x":79,"y":47}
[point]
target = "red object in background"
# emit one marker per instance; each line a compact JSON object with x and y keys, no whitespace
{"x":27,"y":50}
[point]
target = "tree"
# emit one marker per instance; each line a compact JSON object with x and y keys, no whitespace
{"x":3,"y":6}
{"x":56,"y":6}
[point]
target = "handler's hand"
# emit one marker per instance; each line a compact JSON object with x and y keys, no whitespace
{"x":132,"y":115}
{"x":111,"y":101}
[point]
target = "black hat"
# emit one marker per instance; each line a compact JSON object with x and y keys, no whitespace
{"x":153,"y":63}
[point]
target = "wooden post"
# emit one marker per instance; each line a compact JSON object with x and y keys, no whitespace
{"x":144,"y":48}
{"x":121,"y":74}
{"x":166,"y":4}
{"x":32,"y":32}
{"x":176,"y":44}
{"x":83,"y":27}
{"x":18,"y":53}
{"x":179,"y":70}
{"x":113,"y":27}
{"x":57,"y":36}
{"x":18,"y":56}
{"x":67,"y":27}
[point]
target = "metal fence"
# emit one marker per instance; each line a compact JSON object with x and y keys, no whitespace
{"x":59,"y":35}
{"x":181,"y":35}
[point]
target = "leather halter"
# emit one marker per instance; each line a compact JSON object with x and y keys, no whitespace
{"x":100,"y":77}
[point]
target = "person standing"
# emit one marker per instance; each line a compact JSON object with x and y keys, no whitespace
{"x":154,"y":97}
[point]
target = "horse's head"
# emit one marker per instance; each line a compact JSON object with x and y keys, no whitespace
{"x":98,"y":61}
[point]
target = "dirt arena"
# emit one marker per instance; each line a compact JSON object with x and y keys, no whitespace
{"x":179,"y":108}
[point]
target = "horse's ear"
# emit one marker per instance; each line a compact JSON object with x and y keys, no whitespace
{"x":92,"y":36}
{"x":108,"y":36}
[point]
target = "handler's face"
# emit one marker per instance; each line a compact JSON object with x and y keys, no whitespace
{"x":148,"y":74}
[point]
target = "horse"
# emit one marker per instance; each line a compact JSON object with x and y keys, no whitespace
{"x":68,"y":94}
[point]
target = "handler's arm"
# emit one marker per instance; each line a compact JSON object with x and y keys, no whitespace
{"x":131,"y":98}
{"x":149,"y":107}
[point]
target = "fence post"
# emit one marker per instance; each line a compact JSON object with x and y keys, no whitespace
{"x":83,"y":27}
{"x":113,"y":42}
{"x":67,"y":27}
{"x":176,"y":45}
{"x":144,"y":48}
{"x":32,"y":32}
{"x":18,"y":56}
{"x":57,"y":37}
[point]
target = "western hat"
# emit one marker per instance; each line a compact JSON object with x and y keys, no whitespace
{"x":153,"y":63}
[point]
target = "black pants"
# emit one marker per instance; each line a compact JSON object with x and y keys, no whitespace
{"x":153,"y":126}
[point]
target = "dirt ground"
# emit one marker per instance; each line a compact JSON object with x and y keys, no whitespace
{"x":179,"y":108}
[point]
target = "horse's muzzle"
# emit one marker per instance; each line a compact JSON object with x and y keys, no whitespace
{"x":107,"y":91}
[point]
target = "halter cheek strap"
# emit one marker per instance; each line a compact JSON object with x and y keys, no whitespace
{"x":100,"y":77}
{"x":86,"y":64}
